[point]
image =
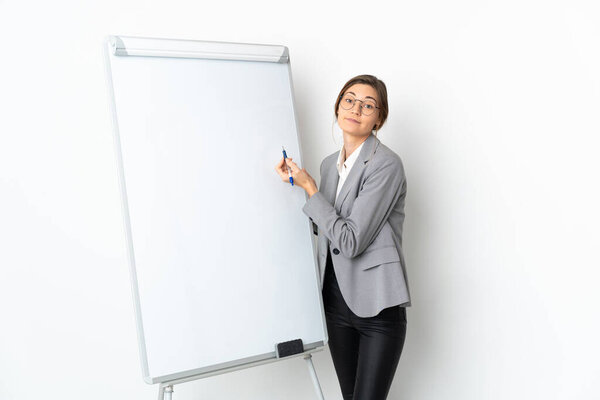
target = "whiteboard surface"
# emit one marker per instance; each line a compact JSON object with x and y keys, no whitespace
{"x":222,"y":260}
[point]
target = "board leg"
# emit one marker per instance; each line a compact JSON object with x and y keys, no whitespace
{"x":313,"y":375}
{"x":165,"y":392}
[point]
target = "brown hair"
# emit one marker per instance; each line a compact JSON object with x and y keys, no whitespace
{"x":379,"y":87}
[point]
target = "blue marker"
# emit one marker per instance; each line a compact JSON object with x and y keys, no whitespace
{"x":288,"y":167}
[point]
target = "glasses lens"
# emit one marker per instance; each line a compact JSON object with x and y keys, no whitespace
{"x":347,"y":101}
{"x":368,"y":107}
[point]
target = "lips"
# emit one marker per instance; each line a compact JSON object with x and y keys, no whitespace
{"x":353,"y":120}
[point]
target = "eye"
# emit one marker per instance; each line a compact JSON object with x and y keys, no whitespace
{"x":369,"y":106}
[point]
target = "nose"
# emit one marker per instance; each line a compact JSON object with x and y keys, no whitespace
{"x":358,"y":108}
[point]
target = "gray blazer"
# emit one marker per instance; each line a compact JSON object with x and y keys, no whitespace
{"x":363,"y":229}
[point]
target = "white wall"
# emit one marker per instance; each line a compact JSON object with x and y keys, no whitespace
{"x":493,"y":109}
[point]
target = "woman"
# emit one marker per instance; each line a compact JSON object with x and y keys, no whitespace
{"x":358,"y":213}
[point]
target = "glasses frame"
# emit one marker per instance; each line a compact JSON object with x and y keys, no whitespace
{"x":362,"y":109}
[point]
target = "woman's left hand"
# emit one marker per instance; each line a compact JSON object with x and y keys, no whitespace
{"x":301,"y":176}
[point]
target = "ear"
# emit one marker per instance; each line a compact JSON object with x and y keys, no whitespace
{"x":377,"y":124}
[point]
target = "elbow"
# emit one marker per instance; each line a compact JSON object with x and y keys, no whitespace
{"x":350,"y":248}
{"x":347,"y":253}
{"x":349,"y":245}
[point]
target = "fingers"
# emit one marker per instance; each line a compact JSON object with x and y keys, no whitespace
{"x":280,"y":163}
{"x":292,"y":165}
{"x":281,"y":166}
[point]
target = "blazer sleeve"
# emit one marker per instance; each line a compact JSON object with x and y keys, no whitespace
{"x":315,"y":226}
{"x":372,"y":207}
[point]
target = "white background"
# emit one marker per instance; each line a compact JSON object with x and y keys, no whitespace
{"x":493,"y":110}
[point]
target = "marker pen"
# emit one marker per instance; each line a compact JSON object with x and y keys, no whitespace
{"x":288,"y":167}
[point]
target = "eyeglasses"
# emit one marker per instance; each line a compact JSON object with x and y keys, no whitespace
{"x":368,"y":106}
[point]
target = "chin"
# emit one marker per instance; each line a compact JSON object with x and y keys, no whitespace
{"x":355,"y":131}
{"x":351,"y":127}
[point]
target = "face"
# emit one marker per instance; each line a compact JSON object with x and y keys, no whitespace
{"x":353,"y":121}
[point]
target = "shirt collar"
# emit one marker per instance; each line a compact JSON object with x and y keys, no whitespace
{"x":350,"y":160}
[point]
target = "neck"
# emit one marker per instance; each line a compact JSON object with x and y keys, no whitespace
{"x":351,"y":142}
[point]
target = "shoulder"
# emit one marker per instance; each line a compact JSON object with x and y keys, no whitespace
{"x":330,"y":160}
{"x":385,"y":158}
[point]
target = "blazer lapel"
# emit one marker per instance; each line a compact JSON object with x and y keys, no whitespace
{"x":364,"y":156}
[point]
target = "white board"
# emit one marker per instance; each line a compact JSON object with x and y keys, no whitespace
{"x":222,"y":260}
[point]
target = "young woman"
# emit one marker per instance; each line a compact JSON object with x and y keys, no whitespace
{"x":358,"y":213}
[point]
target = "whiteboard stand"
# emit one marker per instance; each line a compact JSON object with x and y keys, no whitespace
{"x":177,"y":107}
{"x":165,"y":390}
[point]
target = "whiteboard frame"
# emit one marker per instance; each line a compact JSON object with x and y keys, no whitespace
{"x":157,"y":47}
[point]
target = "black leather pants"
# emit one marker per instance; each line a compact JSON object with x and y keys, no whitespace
{"x":365,"y":351}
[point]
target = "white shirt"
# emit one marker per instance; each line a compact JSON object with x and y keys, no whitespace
{"x":344,"y":167}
